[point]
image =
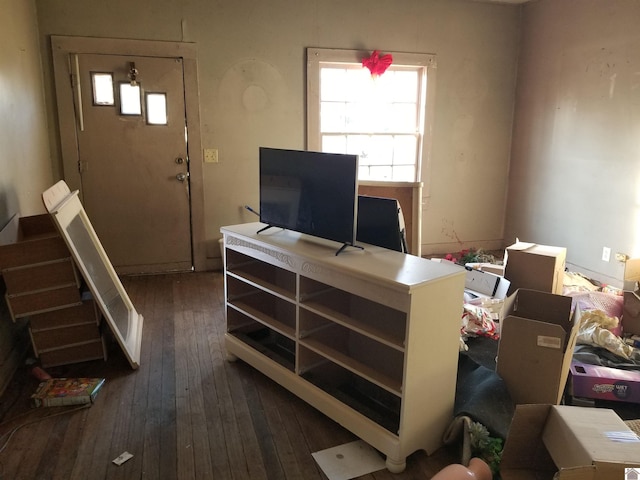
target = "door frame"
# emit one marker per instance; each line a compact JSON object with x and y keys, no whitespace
{"x":62,"y":49}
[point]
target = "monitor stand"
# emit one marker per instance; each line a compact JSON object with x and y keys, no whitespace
{"x":345,"y":245}
{"x":266,"y":228}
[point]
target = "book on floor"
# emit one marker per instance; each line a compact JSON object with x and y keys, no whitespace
{"x":66,"y":391}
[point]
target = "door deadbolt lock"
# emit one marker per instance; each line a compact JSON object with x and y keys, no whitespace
{"x":179,"y":160}
{"x":182,"y":176}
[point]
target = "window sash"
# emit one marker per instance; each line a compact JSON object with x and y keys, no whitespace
{"x":319,"y":135}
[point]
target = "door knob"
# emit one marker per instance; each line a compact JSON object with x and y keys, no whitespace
{"x":182,"y":176}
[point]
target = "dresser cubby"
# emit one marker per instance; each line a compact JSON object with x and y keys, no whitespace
{"x":352,"y":351}
{"x":269,"y":342}
{"x":370,"y":318}
{"x":263,"y":307}
{"x":277,"y":280}
{"x":375,"y":403}
{"x":368,"y":337}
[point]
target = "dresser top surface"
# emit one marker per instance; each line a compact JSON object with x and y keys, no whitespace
{"x":371,"y":261}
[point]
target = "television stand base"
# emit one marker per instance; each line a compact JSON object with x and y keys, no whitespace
{"x":266,"y":228}
{"x":348,"y":245}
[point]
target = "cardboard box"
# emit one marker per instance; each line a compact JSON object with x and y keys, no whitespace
{"x":537,"y":338}
{"x":631,"y":303}
{"x":536,"y":267}
{"x":631,"y":313}
{"x":600,"y":444}
{"x":631,"y":274}
{"x":574,"y":443}
{"x":604,"y":383}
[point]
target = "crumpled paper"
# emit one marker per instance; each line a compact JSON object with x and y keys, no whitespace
{"x":477,"y":320}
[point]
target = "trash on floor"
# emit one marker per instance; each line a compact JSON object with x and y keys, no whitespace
{"x":123,"y":457}
{"x":348,"y":461}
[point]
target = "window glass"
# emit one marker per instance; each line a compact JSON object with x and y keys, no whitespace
{"x":102,"y":84}
{"x":334,"y":143}
{"x":332,"y":84}
{"x":156,"y":108}
{"x":404,"y":146}
{"x":130,"y":99}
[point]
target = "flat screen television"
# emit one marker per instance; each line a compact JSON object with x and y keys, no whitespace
{"x":379,"y":222}
{"x":309,"y":192}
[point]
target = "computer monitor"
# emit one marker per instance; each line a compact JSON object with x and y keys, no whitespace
{"x":380,"y":223}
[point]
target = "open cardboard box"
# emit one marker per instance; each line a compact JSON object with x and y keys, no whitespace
{"x":574,"y":443}
{"x":536,"y":267}
{"x":537,"y":338}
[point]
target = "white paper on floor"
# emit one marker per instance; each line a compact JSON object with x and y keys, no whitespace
{"x":349,"y":460}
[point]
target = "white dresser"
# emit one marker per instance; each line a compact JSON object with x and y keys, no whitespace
{"x":368,"y":337}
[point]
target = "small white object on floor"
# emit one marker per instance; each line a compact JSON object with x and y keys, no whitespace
{"x":123,"y":457}
{"x":348,"y":461}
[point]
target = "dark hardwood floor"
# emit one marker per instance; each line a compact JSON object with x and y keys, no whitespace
{"x":186,"y":413}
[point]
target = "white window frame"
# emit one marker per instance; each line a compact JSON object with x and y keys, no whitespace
{"x":317,"y":56}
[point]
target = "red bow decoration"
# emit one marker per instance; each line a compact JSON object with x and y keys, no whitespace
{"x":377,"y":64}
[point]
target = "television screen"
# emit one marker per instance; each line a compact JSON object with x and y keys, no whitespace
{"x":379,"y":222}
{"x":309,"y":192}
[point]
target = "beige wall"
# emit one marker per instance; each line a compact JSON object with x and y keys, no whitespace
{"x":25,"y":165}
{"x":250,"y":46}
{"x":575,"y":169}
{"x":25,"y":162}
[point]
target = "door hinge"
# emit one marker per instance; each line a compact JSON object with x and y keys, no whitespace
{"x":82,"y":166}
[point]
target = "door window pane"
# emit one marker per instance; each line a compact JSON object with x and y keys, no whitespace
{"x":156,"y":108}
{"x":102,"y":84}
{"x":130,"y":99}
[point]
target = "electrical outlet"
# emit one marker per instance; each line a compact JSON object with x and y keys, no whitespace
{"x":210,"y":155}
{"x":606,"y":254}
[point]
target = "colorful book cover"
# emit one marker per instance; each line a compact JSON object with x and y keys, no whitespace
{"x":66,"y":391}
